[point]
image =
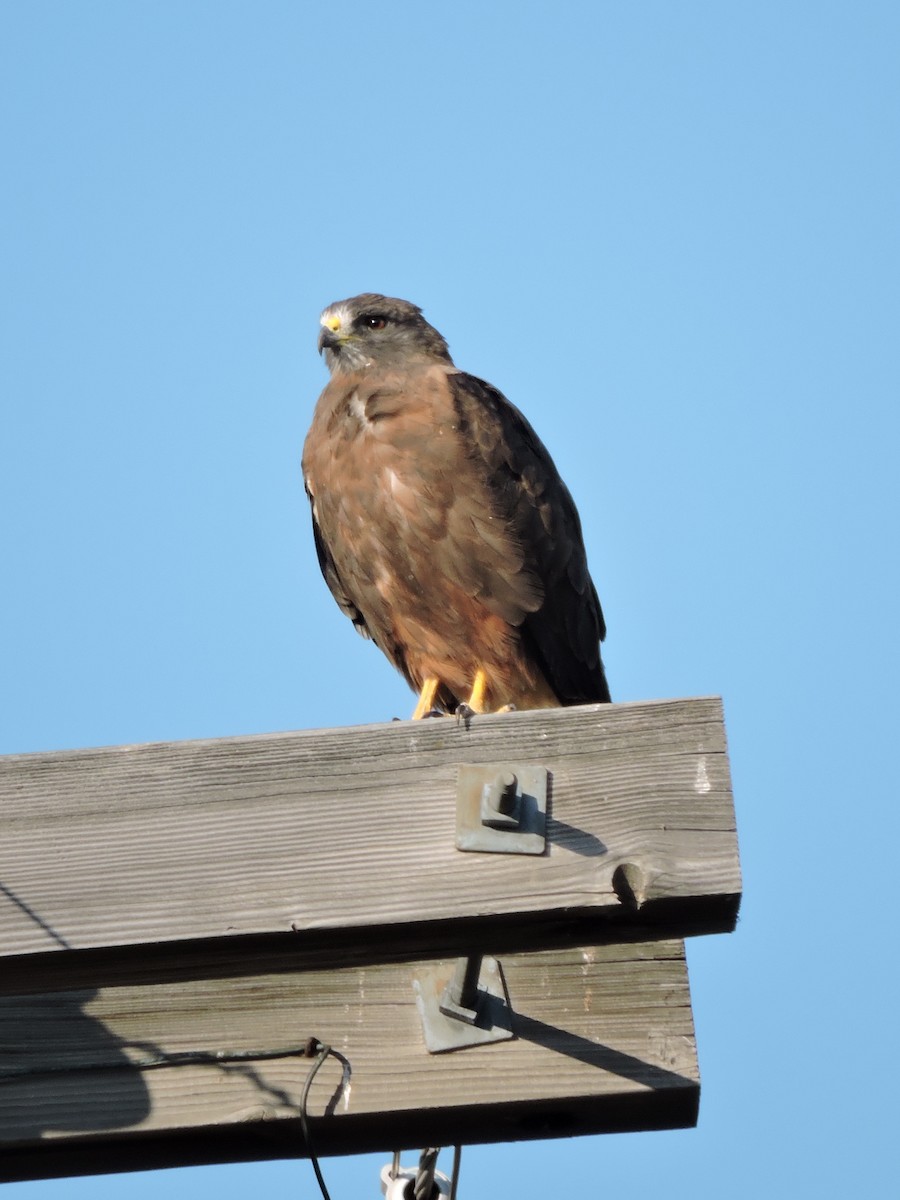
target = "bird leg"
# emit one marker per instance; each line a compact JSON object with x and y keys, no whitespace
{"x":426,"y":697}
{"x":476,"y":702}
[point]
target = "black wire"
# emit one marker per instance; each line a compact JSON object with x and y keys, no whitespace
{"x":154,"y":1057}
{"x":324,"y":1052}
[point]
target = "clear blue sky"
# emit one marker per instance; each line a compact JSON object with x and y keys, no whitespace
{"x":669,"y":232}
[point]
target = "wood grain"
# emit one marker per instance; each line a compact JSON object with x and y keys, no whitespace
{"x":604,"y":1041}
{"x":337,"y":846}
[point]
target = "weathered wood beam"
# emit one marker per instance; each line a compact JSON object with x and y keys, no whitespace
{"x":338,"y":846}
{"x":604,"y":1042}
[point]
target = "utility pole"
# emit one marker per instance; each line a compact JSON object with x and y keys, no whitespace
{"x":483,"y":920}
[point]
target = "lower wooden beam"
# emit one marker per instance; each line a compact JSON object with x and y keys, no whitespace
{"x":604,"y":1042}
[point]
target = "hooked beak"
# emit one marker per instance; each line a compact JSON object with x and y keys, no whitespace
{"x":328,"y":340}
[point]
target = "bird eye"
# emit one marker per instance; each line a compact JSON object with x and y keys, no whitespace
{"x":374,"y":322}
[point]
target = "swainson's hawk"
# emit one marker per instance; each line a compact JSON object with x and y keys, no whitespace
{"x":442,"y":526}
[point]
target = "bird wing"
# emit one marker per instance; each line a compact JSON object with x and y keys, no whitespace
{"x":330,"y":573}
{"x":531,"y":561}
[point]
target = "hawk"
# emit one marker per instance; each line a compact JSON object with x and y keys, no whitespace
{"x":441,"y":524}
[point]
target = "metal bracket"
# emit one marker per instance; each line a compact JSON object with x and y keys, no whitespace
{"x":501,"y":808}
{"x":463,"y":1004}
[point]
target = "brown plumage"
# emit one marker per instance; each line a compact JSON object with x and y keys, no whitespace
{"x":442,"y":526}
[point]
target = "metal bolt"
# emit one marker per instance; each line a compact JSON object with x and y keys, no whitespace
{"x":509,"y":785}
{"x":460,"y":997}
{"x":500,"y":793}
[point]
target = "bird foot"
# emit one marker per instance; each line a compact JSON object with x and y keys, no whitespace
{"x":465,"y":712}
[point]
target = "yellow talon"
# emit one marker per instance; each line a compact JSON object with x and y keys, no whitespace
{"x":426,"y":697}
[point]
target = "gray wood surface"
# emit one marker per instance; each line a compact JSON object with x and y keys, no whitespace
{"x":337,"y":846}
{"x":604,"y":1042}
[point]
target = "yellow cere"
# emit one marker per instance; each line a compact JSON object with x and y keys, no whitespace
{"x":332,"y":323}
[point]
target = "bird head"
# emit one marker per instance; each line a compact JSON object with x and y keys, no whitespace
{"x":375,"y":330}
